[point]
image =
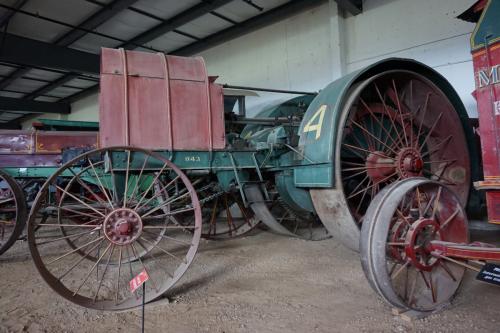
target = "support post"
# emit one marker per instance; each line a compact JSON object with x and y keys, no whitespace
{"x":337,"y":41}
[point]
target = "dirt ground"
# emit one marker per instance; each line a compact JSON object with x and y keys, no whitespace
{"x":260,"y":283}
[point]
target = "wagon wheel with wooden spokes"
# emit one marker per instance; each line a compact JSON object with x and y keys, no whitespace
{"x":13,"y":212}
{"x":89,"y":242}
{"x":395,"y":248}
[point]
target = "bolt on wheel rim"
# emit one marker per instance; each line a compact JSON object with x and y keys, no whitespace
{"x":109,"y":223}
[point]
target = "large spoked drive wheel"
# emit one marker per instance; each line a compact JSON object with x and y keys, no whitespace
{"x":395,"y":125}
{"x":396,"y":257}
{"x":13,"y":211}
{"x":110,"y":222}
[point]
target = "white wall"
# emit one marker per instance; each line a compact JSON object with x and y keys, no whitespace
{"x":293,"y":54}
{"x":85,"y":109}
{"x":425,"y":30}
{"x":309,"y":50}
{"x":303,"y":52}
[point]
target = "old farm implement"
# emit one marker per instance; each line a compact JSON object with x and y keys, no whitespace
{"x":385,"y":154}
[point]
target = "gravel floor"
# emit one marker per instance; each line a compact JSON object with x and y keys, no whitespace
{"x":260,"y":283}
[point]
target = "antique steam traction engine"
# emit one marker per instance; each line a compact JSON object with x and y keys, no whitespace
{"x":381,"y":160}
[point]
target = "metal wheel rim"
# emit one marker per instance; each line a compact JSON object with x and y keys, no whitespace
{"x":430,"y":289}
{"x":13,"y":212}
{"x":162,"y":277}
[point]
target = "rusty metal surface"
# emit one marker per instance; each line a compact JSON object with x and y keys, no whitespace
{"x":39,"y":148}
{"x":16,"y":141}
{"x":332,"y":208}
{"x":276,"y":219}
{"x":158,"y":102}
{"x":30,"y":160}
{"x":486,"y":68}
{"x":55,"y":142}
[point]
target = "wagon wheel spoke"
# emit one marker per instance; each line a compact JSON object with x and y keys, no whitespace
{"x":100,"y":182}
{"x":223,"y":214}
{"x":108,"y":224}
{"x":390,"y":113}
{"x":6,"y":201}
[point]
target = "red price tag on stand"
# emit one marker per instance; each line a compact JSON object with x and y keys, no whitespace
{"x":138,"y":281}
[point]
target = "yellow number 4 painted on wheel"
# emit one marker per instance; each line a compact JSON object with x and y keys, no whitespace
{"x":310,"y":127}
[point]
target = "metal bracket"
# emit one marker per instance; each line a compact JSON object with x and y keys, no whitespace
{"x":240,"y":186}
{"x":266,"y":194}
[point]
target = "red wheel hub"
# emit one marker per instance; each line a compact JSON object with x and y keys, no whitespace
{"x":409,"y":163}
{"x":122,"y":226}
{"x":418,"y":239}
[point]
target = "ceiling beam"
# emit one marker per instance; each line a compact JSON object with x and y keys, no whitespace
{"x":30,"y":52}
{"x":81,"y":94}
{"x":12,"y":124}
{"x":13,"y":76}
{"x":50,"y":86}
{"x":5,"y":18}
{"x":94,"y":21}
{"x":354,"y":7}
{"x":27,"y":106}
{"x":4,"y":21}
{"x":257,"y":22}
{"x":175,"y":22}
